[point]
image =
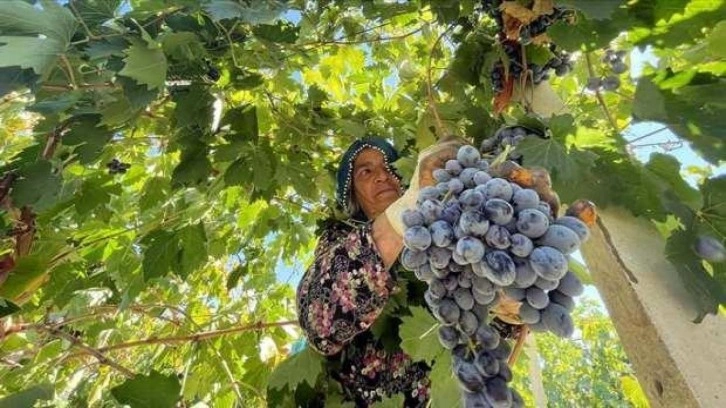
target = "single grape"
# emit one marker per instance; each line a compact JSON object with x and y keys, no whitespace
{"x":611,"y":83}
{"x":459,"y":258}
{"x":428,"y":193}
{"x":474,"y":223}
{"x":451,"y":283}
{"x":498,"y":211}
{"x":471,"y":200}
{"x":468,"y":322}
{"x":537,"y":298}
{"x":497,"y":188}
{"x":468,"y":156}
{"x":440,"y":273}
{"x":451,"y":212}
{"x":467,"y":176}
{"x":464,"y":298}
{"x":481,"y":312}
{"x":546,"y":284}
{"x":412,"y":259}
{"x":558,"y":320}
{"x":515,"y":187}
{"x":483,"y":165}
{"x":483,"y":299}
{"x":442,"y":235}
{"x":464,"y":281}
{"x":525,"y":198}
{"x":538,"y":327}
{"x":424,"y":273}
{"x":501,"y":268}
{"x":563,"y":300}
{"x":709,"y":248}
{"x":439,"y":258}
{"x":498,"y":237}
{"x":431,"y":210}
{"x":469,"y":377}
{"x":515,"y":293}
{"x":481,"y":177}
{"x":431,"y":300}
{"x":502,"y":351}
{"x":561,"y":238}
{"x":511,"y":226}
{"x":441,"y":175}
{"x":475,"y":400}
{"x":576,"y":225}
{"x":498,"y":393}
{"x":453,"y":266}
{"x":487,"y":337}
{"x":481,"y":284}
{"x":548,"y":263}
{"x":417,"y":238}
{"x":448,"y":312}
{"x":545,"y":208}
{"x":487,"y":365}
{"x":506,"y":373}
{"x":443,"y":188}
{"x":412,"y":218}
{"x":453,"y":167}
{"x":532,"y":223}
{"x":521,"y":245}
{"x":448,"y":337}
{"x":528,"y":314}
{"x":593,"y":84}
{"x":570,"y":285}
{"x":619,"y":67}
{"x":437,"y":289}
{"x":455,"y":186}
{"x":525,"y":276}
{"x":471,"y":249}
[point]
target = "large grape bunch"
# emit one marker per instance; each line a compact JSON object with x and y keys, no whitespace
{"x":482,"y":235}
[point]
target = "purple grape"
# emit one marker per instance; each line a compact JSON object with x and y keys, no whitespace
{"x":515,"y":187}
{"x":441,"y":175}
{"x":498,"y":237}
{"x":515,"y":293}
{"x":483,"y":299}
{"x":443,"y":188}
{"x":471,"y":249}
{"x":467,"y":177}
{"x":545,"y":208}
{"x":611,"y":83}
{"x":563,"y":300}
{"x":464,"y":281}
{"x":482,"y":177}
{"x":439,"y":258}
{"x":417,"y":238}
{"x":570,"y":285}
{"x":428,"y":193}
{"x":424,"y":273}
{"x":437,"y":289}
{"x":459,"y":258}
{"x":481,"y":311}
{"x":619,"y":67}
{"x":451,"y":283}
{"x":464,"y":298}
{"x":456,"y":186}
{"x":576,"y":225}
{"x":532,"y":223}
{"x":475,"y":400}
{"x":451,"y":212}
{"x":432,"y":301}
{"x":558,"y":320}
{"x":548,"y":263}
{"x":497,"y":188}
{"x":468,"y":156}
{"x":538,"y":327}
{"x":487,"y":365}
{"x":546,"y":284}
{"x":487,"y":337}
{"x":412,"y":259}
{"x":483,"y":165}
{"x":468,"y":322}
{"x":525,"y":276}
{"x":412,"y":218}
{"x":448,"y":337}
{"x":525,"y":198}
{"x":453,"y":167}
{"x":498,"y":393}
{"x":471,"y":200}
{"x":502,"y":351}
{"x":440,"y":273}
{"x":506,"y":373}
{"x":521,"y":245}
{"x":474,"y":223}
{"x":593,"y":84}
{"x":481,"y":284}
{"x":468,"y":376}
{"x":448,"y":312}
{"x":561,"y":238}
{"x":498,"y":211}
{"x":501,"y":270}
{"x":528,"y":314}
{"x":537,"y":298}
{"x":431,"y":210}
{"x":442,"y":235}
{"x":709,"y":248}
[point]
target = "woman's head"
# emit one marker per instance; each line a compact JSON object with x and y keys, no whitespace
{"x":367,"y":184}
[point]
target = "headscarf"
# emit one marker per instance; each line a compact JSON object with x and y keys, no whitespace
{"x":345,"y":169}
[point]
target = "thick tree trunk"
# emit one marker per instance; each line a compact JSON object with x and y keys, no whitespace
{"x":678,"y":363}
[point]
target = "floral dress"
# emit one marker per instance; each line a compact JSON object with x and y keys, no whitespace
{"x":339,"y":298}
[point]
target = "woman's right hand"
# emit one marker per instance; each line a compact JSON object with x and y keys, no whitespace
{"x":435,"y":157}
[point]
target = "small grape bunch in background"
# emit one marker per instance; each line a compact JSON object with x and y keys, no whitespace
{"x":117,"y":167}
{"x":485,"y":236}
{"x":615,"y":64}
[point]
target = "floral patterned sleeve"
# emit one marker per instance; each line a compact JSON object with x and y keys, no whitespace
{"x":344,"y":290}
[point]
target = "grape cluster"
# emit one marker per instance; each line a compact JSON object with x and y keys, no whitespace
{"x":117,"y":167}
{"x":540,"y":24}
{"x":610,"y":82}
{"x":475,"y":238}
{"x":508,"y":136}
{"x":560,"y":63}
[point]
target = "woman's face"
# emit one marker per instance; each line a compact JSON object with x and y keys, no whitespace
{"x":374,"y":188}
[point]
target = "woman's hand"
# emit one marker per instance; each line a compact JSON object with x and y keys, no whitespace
{"x":435,"y":157}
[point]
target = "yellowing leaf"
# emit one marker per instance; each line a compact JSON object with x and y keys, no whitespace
{"x":541,"y":7}
{"x":518,"y":11}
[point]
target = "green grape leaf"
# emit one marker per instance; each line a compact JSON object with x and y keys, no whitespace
{"x":282,"y":32}
{"x":193,"y":168}
{"x":155,"y":192}
{"x":89,"y":138}
{"x":667,"y":169}
{"x":243,"y":124}
{"x":445,"y":391}
{"x":27,"y":274}
{"x":160,"y":254}
{"x":594,"y":9}
{"x":149,"y":391}
{"x":37,"y":186}
{"x":94,"y":194}
{"x":183,"y":46}
{"x":145,"y":64}
{"x":538,"y":54}
{"x":394,"y":401}
{"x":29,"y":397}
{"x":588,"y":34}
{"x":239,"y":272}
{"x":649,"y":103}
{"x":256,"y":13}
{"x":419,"y":335}
{"x":7,"y":308}
{"x":717,"y":40}
{"x":305,"y":366}
{"x":192,"y":249}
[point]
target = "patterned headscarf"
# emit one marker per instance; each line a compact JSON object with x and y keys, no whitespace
{"x":345,"y":169}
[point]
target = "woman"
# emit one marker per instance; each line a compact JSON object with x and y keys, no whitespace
{"x":353,"y":276}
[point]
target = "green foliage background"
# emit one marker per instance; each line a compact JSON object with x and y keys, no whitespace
{"x":163,"y":277}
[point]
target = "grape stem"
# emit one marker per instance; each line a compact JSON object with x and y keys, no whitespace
{"x":598,"y":95}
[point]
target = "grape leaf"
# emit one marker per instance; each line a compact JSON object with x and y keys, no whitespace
{"x":242,"y":122}
{"x":193,"y":168}
{"x":594,"y":9}
{"x":94,"y":194}
{"x":183,"y":46}
{"x":38,"y":186}
{"x":88,"y":137}
{"x":717,"y":40}
{"x":305,"y":366}
{"x":445,"y":391}
{"x":149,"y":391}
{"x":160,"y":254}
{"x":667,"y":169}
{"x":29,"y":271}
{"x":29,"y":397}
{"x":587,"y":33}
{"x":419,"y":335}
{"x":155,"y":191}
{"x":649,"y":103}
{"x":394,"y":401}
{"x":192,"y":249}
{"x":282,"y":32}
{"x":145,"y":64}
{"x":262,"y":13}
